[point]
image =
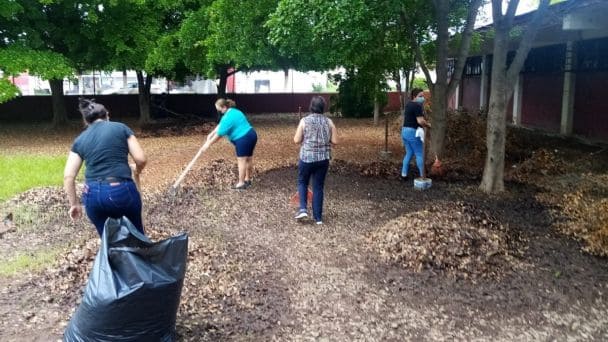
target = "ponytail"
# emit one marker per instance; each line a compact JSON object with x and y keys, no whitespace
{"x":221,"y":102}
{"x":91,"y":111}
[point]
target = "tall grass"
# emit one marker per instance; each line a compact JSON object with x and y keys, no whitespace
{"x":19,"y":173}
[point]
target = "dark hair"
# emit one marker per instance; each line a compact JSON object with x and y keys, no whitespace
{"x":225,"y":103}
{"x":317,"y":105}
{"x":415,"y":92}
{"x":91,"y":111}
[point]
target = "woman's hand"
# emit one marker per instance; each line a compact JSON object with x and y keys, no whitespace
{"x":75,"y":212}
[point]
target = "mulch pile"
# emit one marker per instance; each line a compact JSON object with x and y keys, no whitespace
{"x":458,"y":240}
{"x":172,"y":128}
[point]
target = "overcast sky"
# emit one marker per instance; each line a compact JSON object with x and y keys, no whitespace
{"x":485,"y":15}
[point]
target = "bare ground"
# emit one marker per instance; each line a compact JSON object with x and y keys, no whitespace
{"x":256,"y":274}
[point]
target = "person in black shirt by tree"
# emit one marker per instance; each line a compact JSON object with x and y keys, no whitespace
{"x":413,"y":119}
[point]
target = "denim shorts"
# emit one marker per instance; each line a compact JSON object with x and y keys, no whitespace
{"x":246,"y":144}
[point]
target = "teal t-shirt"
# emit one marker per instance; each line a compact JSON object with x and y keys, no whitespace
{"x":233,"y":124}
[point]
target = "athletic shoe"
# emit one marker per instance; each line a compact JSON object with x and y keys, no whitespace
{"x":248,"y":183}
{"x":319,"y":223}
{"x":239,"y":187}
{"x":301,"y":214}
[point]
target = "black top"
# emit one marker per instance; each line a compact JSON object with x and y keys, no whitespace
{"x":411,"y":112}
{"x":103,"y":147}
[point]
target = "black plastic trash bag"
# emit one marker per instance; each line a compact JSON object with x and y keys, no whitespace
{"x":134,"y":288}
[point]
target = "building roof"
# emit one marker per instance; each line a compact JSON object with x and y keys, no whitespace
{"x":570,"y":20}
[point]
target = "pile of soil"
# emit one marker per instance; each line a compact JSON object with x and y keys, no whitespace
{"x":456,"y":239}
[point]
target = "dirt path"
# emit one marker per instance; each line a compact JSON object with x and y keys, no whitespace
{"x":256,"y":274}
{"x":325,"y":283}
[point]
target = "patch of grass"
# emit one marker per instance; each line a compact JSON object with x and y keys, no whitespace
{"x":28,"y":261}
{"x":22,"y":172}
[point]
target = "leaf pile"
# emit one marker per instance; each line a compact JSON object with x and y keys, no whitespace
{"x":164,"y":129}
{"x":459,"y":240}
{"x":218,"y":173}
{"x":542,"y":162}
{"x":586,"y":212}
{"x":377,"y":168}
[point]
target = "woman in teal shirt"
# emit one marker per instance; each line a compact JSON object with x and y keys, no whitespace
{"x":235,"y":127}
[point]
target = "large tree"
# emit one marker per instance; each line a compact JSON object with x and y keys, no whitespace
{"x":503,"y":79}
{"x":44,"y":37}
{"x":226,"y":36}
{"x":444,"y":18}
{"x":361,"y":36}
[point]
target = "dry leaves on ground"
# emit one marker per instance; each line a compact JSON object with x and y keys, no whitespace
{"x":458,"y":240}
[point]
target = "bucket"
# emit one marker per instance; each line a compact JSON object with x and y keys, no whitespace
{"x":422,"y":183}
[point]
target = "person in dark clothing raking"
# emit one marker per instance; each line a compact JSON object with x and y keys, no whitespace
{"x":110,"y":188}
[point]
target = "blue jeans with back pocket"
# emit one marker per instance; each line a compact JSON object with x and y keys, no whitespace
{"x":112,"y":199}
{"x":413,"y":147}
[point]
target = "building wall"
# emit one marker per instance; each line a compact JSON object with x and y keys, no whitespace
{"x":542,"y":101}
{"x":469,"y":93}
{"x":591,"y":105}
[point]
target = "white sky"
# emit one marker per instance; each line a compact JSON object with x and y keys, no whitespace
{"x":485,"y":14}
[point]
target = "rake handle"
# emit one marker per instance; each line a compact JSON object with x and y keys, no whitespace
{"x":183,"y":174}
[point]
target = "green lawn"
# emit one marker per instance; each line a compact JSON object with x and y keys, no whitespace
{"x":19,"y":173}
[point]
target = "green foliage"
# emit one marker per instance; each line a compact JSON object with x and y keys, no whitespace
{"x":22,"y":172}
{"x":46,"y":64}
{"x":357,"y":94}
{"x":7,"y":90}
{"x":420,"y":83}
{"x":317,"y":87}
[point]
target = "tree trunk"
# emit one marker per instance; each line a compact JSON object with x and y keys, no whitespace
{"x":143,"y":85}
{"x":439,"y":89}
{"x":493,"y":172}
{"x":503,"y":81}
{"x":286,"y":80}
{"x":439,"y":121}
{"x":376,"y":112}
{"x":221,"y":89}
{"x":60,"y":115}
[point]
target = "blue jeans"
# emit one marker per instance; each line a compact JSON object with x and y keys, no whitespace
{"x":413,"y":146}
{"x":117,"y":199}
{"x":318,"y":171}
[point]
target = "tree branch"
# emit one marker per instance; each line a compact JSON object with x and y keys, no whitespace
{"x":417,"y":51}
{"x":465,"y":45}
{"x":526,"y":44}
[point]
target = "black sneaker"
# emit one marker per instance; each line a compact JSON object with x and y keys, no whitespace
{"x":404,"y":178}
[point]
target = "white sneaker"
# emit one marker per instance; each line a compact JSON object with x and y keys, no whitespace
{"x":301,"y":214}
{"x":319,"y":222}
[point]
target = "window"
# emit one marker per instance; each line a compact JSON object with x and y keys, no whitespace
{"x":262,"y":86}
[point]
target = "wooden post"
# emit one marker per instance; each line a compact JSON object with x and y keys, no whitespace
{"x":385,"y":133}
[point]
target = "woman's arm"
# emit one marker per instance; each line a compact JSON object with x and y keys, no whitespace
{"x":72,"y":166}
{"x":212,"y":138}
{"x":422,"y":122}
{"x":334,"y":133}
{"x":297,"y":138}
{"x":137,"y":153}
